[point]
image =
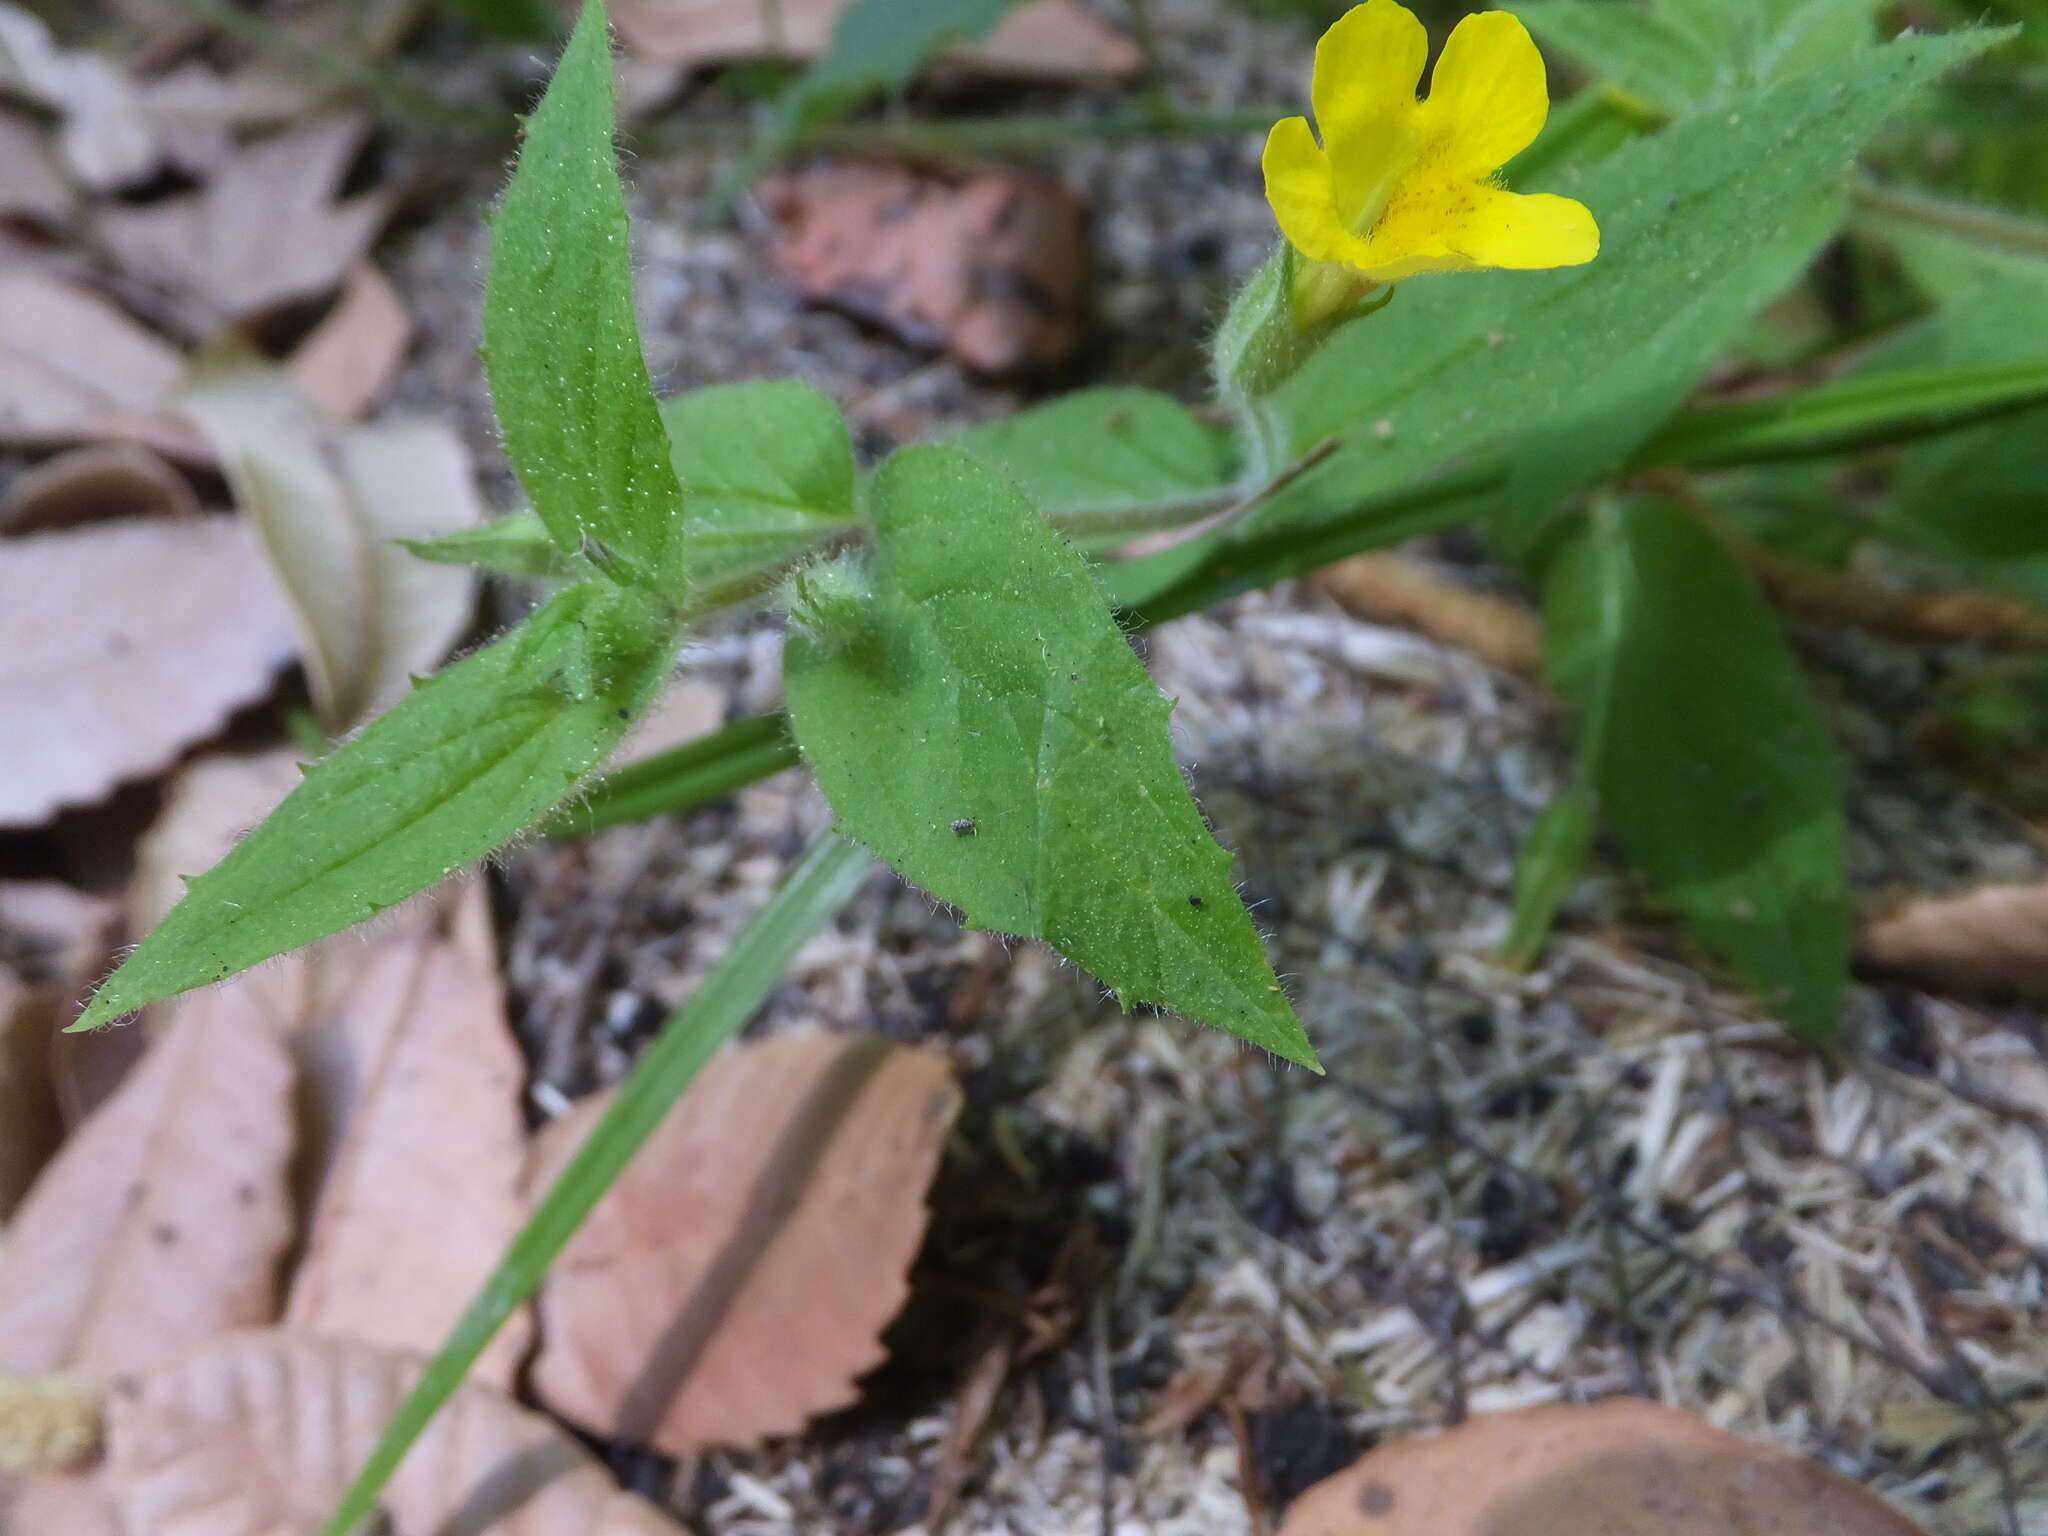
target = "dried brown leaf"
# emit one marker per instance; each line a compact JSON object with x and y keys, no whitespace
{"x":69,"y":361}
{"x":264,"y":232}
{"x":329,"y":501}
{"x":257,"y":1434}
{"x":1989,"y":940}
{"x":94,"y":483}
{"x":990,"y":265}
{"x":200,"y":114}
{"x":352,"y":355}
{"x":162,"y":1221}
{"x":421,"y":1199}
{"x":1624,"y":1467}
{"x":53,"y":935}
{"x":105,"y":136}
{"x":31,"y":186}
{"x":50,"y":1504}
{"x":30,"y":1126}
{"x":1042,"y":40}
{"x":212,"y":803}
{"x":123,"y":643}
{"x":736,"y":1279}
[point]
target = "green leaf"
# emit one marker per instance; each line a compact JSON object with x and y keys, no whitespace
{"x":738,"y":984}
{"x":1701,"y":224}
{"x":1707,"y":750}
{"x":518,"y":20}
{"x":1552,"y":858}
{"x":880,"y":45}
{"x":1681,"y":55}
{"x":979,"y":720}
{"x":1645,"y":52}
{"x":516,"y":544}
{"x":561,"y":344}
{"x":699,"y":771}
{"x":1858,"y":412}
{"x":1976,"y":498}
{"x":1099,"y":460}
{"x":766,"y":470}
{"x":451,"y":773}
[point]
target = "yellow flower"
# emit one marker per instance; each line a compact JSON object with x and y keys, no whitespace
{"x":1399,"y":187}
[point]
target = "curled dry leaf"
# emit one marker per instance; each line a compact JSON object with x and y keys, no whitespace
{"x":92,"y":484}
{"x":163,"y":1219}
{"x":265,"y":230}
{"x":70,"y":362}
{"x":349,"y":358}
{"x":990,"y":265}
{"x":1989,"y":940}
{"x":1624,"y":1467}
{"x":1043,"y":40}
{"x":329,"y":501}
{"x":409,"y":1056}
{"x":736,"y":1279}
{"x":105,"y":135}
{"x":122,"y":644}
{"x":256,"y":1435}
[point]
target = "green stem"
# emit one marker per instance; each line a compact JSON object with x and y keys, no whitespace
{"x":809,"y":899}
{"x":1982,"y":226}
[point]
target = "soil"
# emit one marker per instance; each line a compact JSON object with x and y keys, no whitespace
{"x":1608,"y":1175}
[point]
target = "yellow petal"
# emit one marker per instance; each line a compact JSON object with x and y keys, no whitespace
{"x":1459,"y":228}
{"x":1367,"y":68}
{"x":1298,"y":187}
{"x":1487,"y":98}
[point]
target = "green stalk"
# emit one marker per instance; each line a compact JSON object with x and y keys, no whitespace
{"x":809,"y":899}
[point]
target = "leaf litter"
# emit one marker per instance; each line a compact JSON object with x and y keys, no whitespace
{"x":1597,"y":1003}
{"x":688,"y":1310}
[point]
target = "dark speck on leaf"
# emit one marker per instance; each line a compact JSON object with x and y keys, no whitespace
{"x":965,"y":827}
{"x":1194,"y":901}
{"x":625,"y":714}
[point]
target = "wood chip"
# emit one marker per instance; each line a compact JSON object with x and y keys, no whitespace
{"x":257,"y":1434}
{"x":688,"y":1311}
{"x":1624,"y":1467}
{"x":124,"y":643}
{"x":992,"y":266}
